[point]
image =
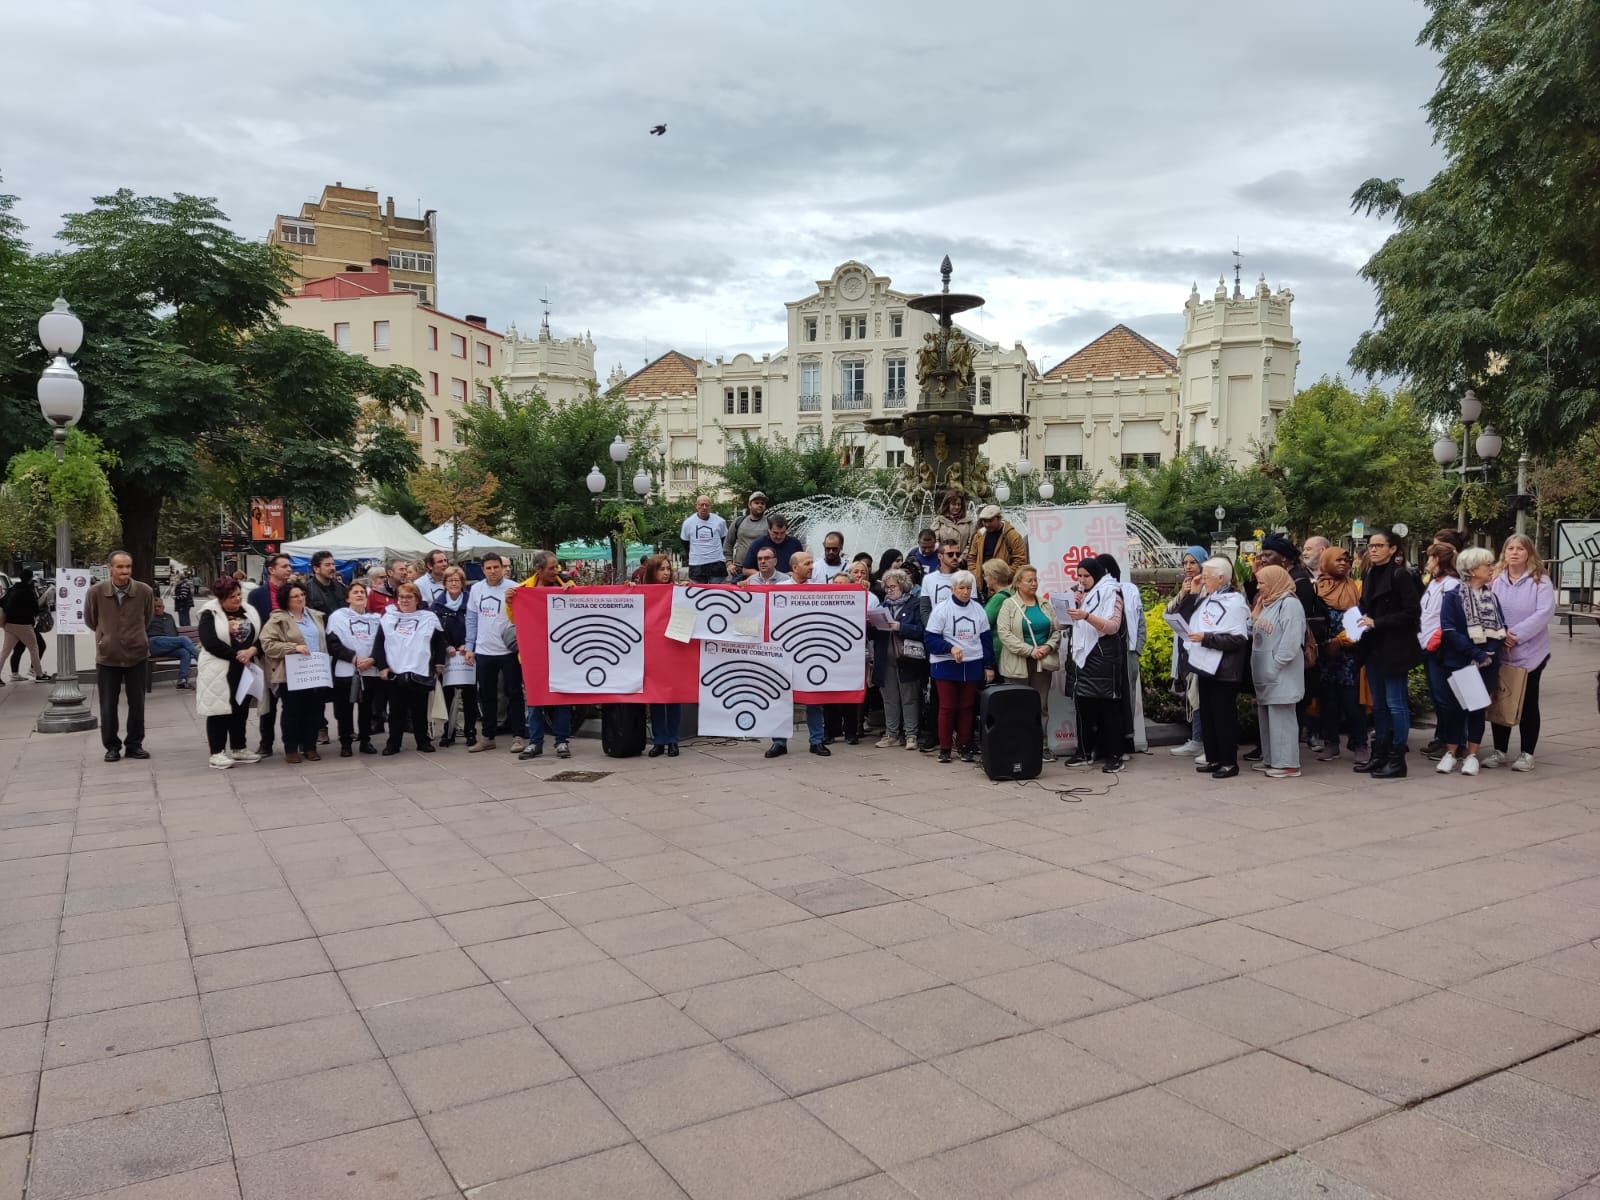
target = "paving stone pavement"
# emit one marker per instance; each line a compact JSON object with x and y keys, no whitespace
{"x":864,"y":977}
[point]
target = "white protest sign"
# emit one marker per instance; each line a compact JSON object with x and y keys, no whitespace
{"x":824,"y":631}
{"x":458,"y":672}
{"x":596,"y":643}
{"x":72,"y":589}
{"x":723,"y":613}
{"x":306,"y":672}
{"x":745,"y":690}
{"x":1060,"y":538}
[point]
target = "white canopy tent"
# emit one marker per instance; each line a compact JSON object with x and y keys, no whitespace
{"x":469,"y":542}
{"x":367,"y":535}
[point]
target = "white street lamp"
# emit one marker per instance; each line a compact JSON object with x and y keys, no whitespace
{"x":619,"y":450}
{"x":1489,"y":444}
{"x":641,"y":482}
{"x":595,"y":480}
{"x":1002,"y":492}
{"x":1445,"y":450}
{"x":1047,"y":491}
{"x":61,"y":401}
{"x":1471,"y":407}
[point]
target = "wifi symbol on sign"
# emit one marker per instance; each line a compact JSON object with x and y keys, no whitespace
{"x":721,"y":603}
{"x":745,"y":685}
{"x":597,"y":638}
{"x":815,"y":638}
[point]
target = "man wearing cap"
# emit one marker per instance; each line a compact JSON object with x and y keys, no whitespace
{"x":749,"y":527}
{"x":995,"y":537}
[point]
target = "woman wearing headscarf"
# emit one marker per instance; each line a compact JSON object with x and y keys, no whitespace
{"x":1391,"y":604}
{"x":1278,"y":663}
{"x":1221,"y":624}
{"x":230,"y":637}
{"x":409,"y":650}
{"x":1339,"y":688}
{"x":960,"y":649}
{"x":1100,"y":675}
{"x":1133,"y":735}
{"x":1528,"y":602}
{"x":1183,"y":603}
{"x":1472,"y":632}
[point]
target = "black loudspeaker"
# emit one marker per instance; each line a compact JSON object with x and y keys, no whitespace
{"x":622,"y":729}
{"x":1013,"y":737}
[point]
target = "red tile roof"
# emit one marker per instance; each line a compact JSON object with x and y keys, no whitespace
{"x":673,"y":374}
{"x":1117,"y":351}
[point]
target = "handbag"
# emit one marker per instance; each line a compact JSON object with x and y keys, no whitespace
{"x":1052,"y":660}
{"x":1505,"y":706}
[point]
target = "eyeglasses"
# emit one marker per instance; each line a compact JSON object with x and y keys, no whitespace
{"x":952,"y":554}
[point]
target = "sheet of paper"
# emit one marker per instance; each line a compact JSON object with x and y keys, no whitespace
{"x":1180,"y":627}
{"x":596,"y":643}
{"x":1059,"y":604}
{"x":1203,"y":658}
{"x":745,"y":690}
{"x":721,"y":613}
{"x":680,"y":624}
{"x":1469,"y":689}
{"x":878,"y":619}
{"x":72,"y":588}
{"x":1353,"y":629}
{"x":306,"y":672}
{"x":458,"y":672}
{"x":252,"y":682}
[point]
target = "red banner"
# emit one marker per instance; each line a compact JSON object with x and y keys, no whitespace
{"x":671,"y":667}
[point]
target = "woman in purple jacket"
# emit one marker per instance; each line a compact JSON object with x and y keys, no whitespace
{"x":1528,"y":601}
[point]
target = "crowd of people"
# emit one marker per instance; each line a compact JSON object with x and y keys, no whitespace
{"x":1316,"y":644}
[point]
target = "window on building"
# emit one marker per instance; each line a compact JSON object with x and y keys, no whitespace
{"x":897,"y":324}
{"x":484,"y":399}
{"x":419,"y":290}
{"x":410,"y":260}
{"x":727,"y":402}
{"x":808,"y":439}
{"x":433,"y":337}
{"x":435,"y":421}
{"x":458,"y":346}
{"x":297,"y":234}
{"x":1063,"y":462}
{"x":853,"y":377}
{"x":894,"y":383}
{"x":483,"y":353}
{"x":734,"y":455}
{"x":458,"y":391}
{"x":413,"y":423}
{"x":755,"y":400}
{"x":853,"y":327}
{"x":853,"y":456}
{"x":894,"y":458}
{"x":341,"y":335}
{"x":1135,"y":462}
{"x":380,"y":335}
{"x":985,"y":390}
{"x":744,"y":401}
{"x":433,"y":382}
{"x":810,"y":379}
{"x":460,"y":438}
{"x":810,"y":327}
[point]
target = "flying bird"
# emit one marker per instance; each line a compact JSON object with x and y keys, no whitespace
{"x":657,"y":130}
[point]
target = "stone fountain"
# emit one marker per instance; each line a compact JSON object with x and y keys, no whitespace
{"x":943,"y":432}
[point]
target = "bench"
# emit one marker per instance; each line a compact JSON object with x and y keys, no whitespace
{"x":189,"y":631}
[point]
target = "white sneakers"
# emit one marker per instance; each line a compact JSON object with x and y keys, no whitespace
{"x":1491,"y":758}
{"x":887,"y":743}
{"x":221,"y":762}
{"x":244,"y":756}
{"x":1188,"y":750}
{"x":1524,"y":762}
{"x":1470,"y":764}
{"x":1448,"y":764}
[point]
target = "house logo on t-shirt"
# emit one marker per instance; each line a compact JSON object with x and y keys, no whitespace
{"x":964,"y":627}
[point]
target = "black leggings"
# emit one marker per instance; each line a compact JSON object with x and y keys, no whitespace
{"x":1101,"y":729}
{"x":1528,"y":727}
{"x":355,"y":720}
{"x":228,"y":732}
{"x":407,"y":699}
{"x":466,"y":717}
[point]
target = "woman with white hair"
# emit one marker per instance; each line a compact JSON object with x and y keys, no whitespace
{"x":960,"y":649}
{"x":1219,"y":647}
{"x":1472,"y":633}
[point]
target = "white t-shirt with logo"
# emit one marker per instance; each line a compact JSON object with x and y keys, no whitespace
{"x":491,"y":608}
{"x":704,"y":538}
{"x":936,"y":585}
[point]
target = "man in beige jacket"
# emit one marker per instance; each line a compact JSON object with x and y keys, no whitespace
{"x":118,"y":611}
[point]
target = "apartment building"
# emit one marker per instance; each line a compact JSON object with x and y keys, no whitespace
{"x":347,"y":228}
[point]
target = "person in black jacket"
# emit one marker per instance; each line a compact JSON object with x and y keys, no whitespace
{"x":450,"y":606}
{"x":409,"y":651}
{"x":1221,"y":622}
{"x":21,"y":611}
{"x":1100,"y":675}
{"x":1391,"y":608}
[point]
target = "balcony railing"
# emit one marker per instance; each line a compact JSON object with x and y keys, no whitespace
{"x":848,"y":401}
{"x":811,"y":402}
{"x":895,"y":398}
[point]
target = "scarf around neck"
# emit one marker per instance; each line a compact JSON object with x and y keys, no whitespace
{"x":1484,"y":620}
{"x":1101,"y":601}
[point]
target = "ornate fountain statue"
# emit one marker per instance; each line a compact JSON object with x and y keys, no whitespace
{"x":944,"y":433}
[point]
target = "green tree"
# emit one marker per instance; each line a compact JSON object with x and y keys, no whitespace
{"x":190,"y":380}
{"x":1341,"y":455}
{"x":459,"y":495}
{"x":24,"y":297}
{"x":787,"y":470}
{"x":541,"y":453}
{"x":1491,"y":278}
{"x":38,"y":492}
{"x":1180,"y":497}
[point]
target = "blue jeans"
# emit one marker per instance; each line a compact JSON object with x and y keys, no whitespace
{"x":1391,"y":712}
{"x":665,"y":721}
{"x":1451,"y":726}
{"x":560,"y":723}
{"x":815,"y":734}
{"x":181,"y":646}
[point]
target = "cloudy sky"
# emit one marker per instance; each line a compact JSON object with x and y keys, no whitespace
{"x":1081,"y":163}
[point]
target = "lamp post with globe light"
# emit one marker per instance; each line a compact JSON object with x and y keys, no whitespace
{"x":595,"y":481}
{"x":61,"y":401}
{"x":1488,"y":445}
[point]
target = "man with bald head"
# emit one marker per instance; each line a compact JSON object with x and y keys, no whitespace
{"x":705,"y":532}
{"x":1311,"y":555}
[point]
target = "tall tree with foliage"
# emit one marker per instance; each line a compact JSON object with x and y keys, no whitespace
{"x":786,"y":470}
{"x":1341,"y":455}
{"x":189,"y":376}
{"x":1497,"y":259}
{"x":1180,"y":497}
{"x":459,"y":495}
{"x":541,"y":451}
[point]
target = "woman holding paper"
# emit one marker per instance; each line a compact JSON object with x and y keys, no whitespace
{"x":1030,"y":642}
{"x":1101,"y":676}
{"x":1219,"y":646}
{"x":665,"y":719}
{"x":1450,"y":725}
{"x":408,"y":651}
{"x":351,"y":632}
{"x":960,"y":649}
{"x":1472,"y":634}
{"x":1278,"y":664}
{"x":295,"y":629}
{"x":1528,"y":602}
{"x":1178,"y":611}
{"x":230,"y":639}
{"x":450,"y":606}
{"x":1339,"y":688}
{"x":1391,"y":607}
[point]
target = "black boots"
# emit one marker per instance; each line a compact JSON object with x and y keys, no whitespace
{"x":1378,"y":757}
{"x":1394,"y":765}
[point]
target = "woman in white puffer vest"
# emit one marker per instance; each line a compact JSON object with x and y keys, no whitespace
{"x":230,"y":636}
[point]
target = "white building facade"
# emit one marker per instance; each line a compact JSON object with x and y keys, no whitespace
{"x":1119,"y":403}
{"x":562,"y":369}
